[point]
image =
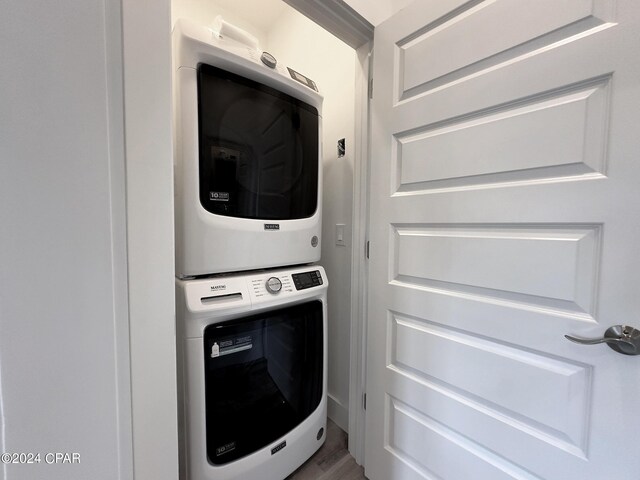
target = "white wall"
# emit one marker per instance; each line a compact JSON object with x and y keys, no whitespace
{"x":204,"y":12}
{"x":64,"y":365}
{"x":307,"y":48}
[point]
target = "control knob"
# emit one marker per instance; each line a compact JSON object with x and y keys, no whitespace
{"x":268,"y":59}
{"x":274,"y":285}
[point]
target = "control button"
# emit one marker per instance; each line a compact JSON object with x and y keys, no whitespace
{"x":274,"y":285}
{"x":268,"y":59}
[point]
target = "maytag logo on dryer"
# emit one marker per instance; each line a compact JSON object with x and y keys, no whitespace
{"x":272,"y":226}
{"x":278,"y":447}
{"x":215,"y":288}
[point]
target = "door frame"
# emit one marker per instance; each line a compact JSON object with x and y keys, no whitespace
{"x":147,"y":116}
{"x":359,"y":253}
{"x":338,"y":18}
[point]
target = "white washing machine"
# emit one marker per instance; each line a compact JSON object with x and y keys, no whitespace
{"x":247,"y":155}
{"x":252,"y":373}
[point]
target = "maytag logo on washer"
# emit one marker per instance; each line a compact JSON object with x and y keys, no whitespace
{"x":272,"y":226}
{"x":278,"y":447}
{"x":218,"y":287}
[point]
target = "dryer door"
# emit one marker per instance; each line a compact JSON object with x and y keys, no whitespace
{"x":258,"y":149}
{"x":263,"y":376}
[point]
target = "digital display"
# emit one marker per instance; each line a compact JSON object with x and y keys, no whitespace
{"x":302,"y":79}
{"x":307,"y":279}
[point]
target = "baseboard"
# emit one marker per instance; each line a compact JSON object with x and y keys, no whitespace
{"x":337,"y":412}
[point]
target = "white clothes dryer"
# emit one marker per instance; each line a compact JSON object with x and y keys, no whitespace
{"x":247,"y":156}
{"x":252,"y":373}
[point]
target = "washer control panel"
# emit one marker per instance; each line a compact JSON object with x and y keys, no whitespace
{"x":307,"y":279}
{"x":229,"y":293}
{"x":273,"y":285}
{"x":266,"y":286}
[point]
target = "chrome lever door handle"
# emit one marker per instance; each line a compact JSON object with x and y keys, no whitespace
{"x":621,"y":338}
{"x":593,"y":341}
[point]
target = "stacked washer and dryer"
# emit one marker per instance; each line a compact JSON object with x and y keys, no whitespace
{"x":251,"y":303}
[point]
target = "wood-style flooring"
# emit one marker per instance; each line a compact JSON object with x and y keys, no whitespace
{"x":332,"y":461}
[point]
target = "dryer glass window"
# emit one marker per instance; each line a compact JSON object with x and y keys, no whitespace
{"x":258,"y":149}
{"x":263,"y":377}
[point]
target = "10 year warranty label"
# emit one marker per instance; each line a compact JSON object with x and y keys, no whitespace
{"x":49,"y":458}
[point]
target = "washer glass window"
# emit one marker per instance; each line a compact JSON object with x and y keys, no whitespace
{"x":263,"y":377}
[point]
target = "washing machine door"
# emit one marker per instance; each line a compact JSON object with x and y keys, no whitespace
{"x":258,"y":149}
{"x":263,"y":377}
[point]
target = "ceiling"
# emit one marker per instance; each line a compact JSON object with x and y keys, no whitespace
{"x":260,"y":13}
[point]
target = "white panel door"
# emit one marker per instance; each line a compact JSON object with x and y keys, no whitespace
{"x":505,"y":200}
